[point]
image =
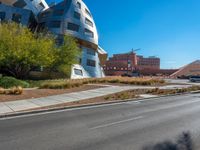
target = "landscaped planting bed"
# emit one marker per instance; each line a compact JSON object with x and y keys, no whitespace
{"x":66,"y":83}
{"x":37,"y":93}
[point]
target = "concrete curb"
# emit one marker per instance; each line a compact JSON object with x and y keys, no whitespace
{"x":88,"y":105}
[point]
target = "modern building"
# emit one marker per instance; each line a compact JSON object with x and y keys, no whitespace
{"x":133,"y":64}
{"x":22,"y":16}
{"x":73,"y":17}
{"x":67,"y":17}
{"x":192,"y":69}
{"x":36,"y":6}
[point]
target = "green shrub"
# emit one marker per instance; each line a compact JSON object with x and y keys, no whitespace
{"x":9,"y":82}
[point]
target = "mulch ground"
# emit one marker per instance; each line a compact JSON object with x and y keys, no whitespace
{"x":37,"y":93}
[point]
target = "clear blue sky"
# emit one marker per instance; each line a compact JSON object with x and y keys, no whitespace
{"x":169,"y":29}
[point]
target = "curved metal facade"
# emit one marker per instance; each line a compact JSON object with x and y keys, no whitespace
{"x":36,"y":6}
{"x":73,"y":17}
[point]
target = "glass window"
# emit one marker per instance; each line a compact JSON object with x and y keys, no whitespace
{"x":19,"y":3}
{"x":73,"y":27}
{"x":58,"y":12}
{"x":87,"y":21}
{"x":91,"y":63}
{"x":77,"y":15}
{"x":2,"y":16}
{"x":91,"y":52}
{"x":78,"y":72}
{"x":79,"y":5}
{"x":88,"y":13}
{"x":17,"y":18}
{"x":55,"y":24}
{"x":41,"y":4}
{"x":45,"y":14}
{"x":89,"y":33}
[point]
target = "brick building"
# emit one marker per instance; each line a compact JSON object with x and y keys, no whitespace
{"x":148,"y":63}
{"x":132,"y":64}
{"x":121,"y":64}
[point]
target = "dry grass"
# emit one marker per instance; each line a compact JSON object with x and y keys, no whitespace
{"x":121,"y":96}
{"x":65,"y":84}
{"x":156,"y":91}
{"x":125,"y":95}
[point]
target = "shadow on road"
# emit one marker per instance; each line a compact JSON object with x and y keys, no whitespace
{"x":183,"y":142}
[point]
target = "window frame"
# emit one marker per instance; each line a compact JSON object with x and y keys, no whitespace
{"x":19,"y":16}
{"x":79,"y":73}
{"x":78,"y":4}
{"x":89,"y":33}
{"x":89,"y":22}
{"x":77,"y":15}
{"x":91,"y":52}
{"x":55,"y":24}
{"x":91,"y":63}
{"x":70,"y":26}
{"x":88,"y":12}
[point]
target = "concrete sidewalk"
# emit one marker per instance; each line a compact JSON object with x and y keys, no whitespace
{"x":23,"y":105}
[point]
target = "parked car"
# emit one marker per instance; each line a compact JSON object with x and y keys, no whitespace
{"x":195,"y":78}
{"x":126,"y":75}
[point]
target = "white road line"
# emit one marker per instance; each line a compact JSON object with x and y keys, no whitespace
{"x":115,"y":123}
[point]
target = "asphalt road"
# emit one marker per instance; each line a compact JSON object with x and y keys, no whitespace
{"x":125,"y":126}
{"x":182,"y":81}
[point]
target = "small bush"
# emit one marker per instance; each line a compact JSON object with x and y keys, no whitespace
{"x":15,"y":91}
{"x":9,"y":82}
{"x":2,"y":91}
{"x":107,"y":98}
{"x":12,"y":91}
